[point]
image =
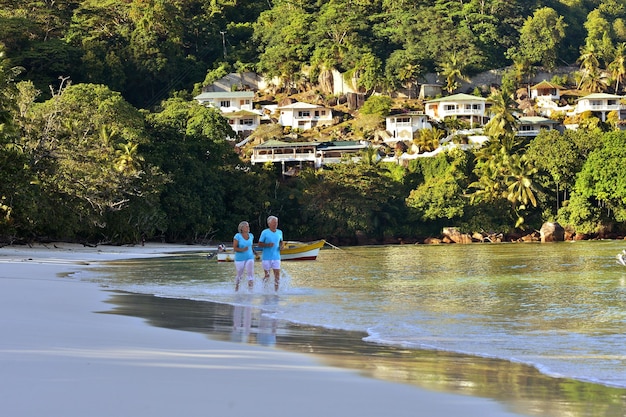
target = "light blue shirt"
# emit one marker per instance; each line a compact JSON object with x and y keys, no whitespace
{"x":267,"y":236}
{"x":244,"y":243}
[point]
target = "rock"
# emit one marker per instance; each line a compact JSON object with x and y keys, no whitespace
{"x":552,"y":232}
{"x":478,"y":237}
{"x":432,"y":241}
{"x":455,"y":236}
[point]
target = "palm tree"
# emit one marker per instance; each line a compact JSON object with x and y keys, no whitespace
{"x":503,"y":124}
{"x":590,"y":69}
{"x":520,"y":186}
{"x":594,"y":81}
{"x":409,"y":74}
{"x":127,"y":160}
{"x":452,"y":69}
{"x":428,"y":139}
{"x":618,"y":66}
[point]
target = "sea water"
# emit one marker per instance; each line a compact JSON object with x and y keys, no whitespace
{"x":558,"y":307}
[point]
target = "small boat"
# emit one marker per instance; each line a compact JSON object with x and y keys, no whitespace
{"x":292,"y":251}
{"x":621,"y":258}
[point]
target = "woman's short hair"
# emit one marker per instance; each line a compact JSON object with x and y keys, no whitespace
{"x":241,"y":225}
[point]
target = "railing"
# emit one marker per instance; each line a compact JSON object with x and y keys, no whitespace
{"x":283,"y":157}
{"x":465,"y":112}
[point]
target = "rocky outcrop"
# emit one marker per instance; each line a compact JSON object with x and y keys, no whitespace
{"x":552,"y":232}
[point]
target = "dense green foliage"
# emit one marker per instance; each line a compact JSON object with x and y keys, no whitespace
{"x":101,"y":141}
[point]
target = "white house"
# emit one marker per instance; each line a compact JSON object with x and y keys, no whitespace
{"x":227,"y":101}
{"x":546,"y":90}
{"x":294,"y":156}
{"x":601,"y":104}
{"x":243,"y":122}
{"x":530,"y":126}
{"x":304,"y":116}
{"x":462,"y":106}
{"x":403,"y":126}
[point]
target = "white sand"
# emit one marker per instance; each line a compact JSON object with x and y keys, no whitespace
{"x":59,"y":358}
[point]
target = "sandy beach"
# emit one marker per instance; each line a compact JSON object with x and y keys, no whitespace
{"x":59,"y":356}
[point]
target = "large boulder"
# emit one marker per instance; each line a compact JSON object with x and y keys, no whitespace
{"x":455,"y":236}
{"x":552,"y":232}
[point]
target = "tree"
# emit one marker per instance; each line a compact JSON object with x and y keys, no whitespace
{"x":210,"y":190}
{"x":617,"y":67}
{"x":557,"y":155}
{"x":351,"y":198}
{"x":592,"y":77}
{"x":502,"y":175}
{"x":503,"y":125}
{"x":12,"y":180}
{"x":72,"y":143}
{"x":378,"y":105}
{"x":599,"y":195}
{"x":452,"y":68}
{"x":428,"y":140}
{"x":540,"y":37}
{"x":284,"y":51}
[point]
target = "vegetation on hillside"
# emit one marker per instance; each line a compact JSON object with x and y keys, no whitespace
{"x":100,"y":140}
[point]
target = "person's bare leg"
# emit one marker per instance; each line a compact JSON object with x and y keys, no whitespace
{"x":276,"y":279}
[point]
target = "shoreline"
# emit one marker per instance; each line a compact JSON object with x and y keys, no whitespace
{"x":61,"y":356}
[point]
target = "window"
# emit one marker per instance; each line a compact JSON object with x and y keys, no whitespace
{"x":323,"y":112}
{"x":244,"y":102}
{"x":225,"y":103}
{"x":449,"y":107}
{"x":304,"y":113}
{"x":317,"y":113}
{"x":247,"y":122}
{"x":403,"y":121}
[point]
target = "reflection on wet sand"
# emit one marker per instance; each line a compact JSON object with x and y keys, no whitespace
{"x":520,"y":387}
{"x":248,"y":320}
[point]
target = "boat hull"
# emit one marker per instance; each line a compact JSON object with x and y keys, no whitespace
{"x":292,"y":251}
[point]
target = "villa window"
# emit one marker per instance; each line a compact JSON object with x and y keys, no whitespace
{"x":449,"y":107}
{"x":225,"y":103}
{"x":304,"y":113}
{"x":317,"y":113}
{"x":247,"y":122}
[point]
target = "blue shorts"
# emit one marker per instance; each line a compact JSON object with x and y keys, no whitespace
{"x":271,"y":264}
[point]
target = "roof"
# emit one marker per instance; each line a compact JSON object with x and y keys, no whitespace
{"x":301,"y":105}
{"x":241,"y":113}
{"x":457,"y":97}
{"x":546,"y":84}
{"x":342,"y":145}
{"x":223,"y":94}
{"x":408,"y":113}
{"x":535,"y":119}
{"x":600,"y":96}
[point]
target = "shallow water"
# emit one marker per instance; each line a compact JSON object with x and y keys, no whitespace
{"x":500,"y":312}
